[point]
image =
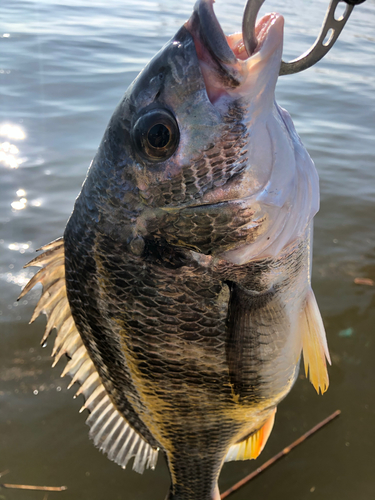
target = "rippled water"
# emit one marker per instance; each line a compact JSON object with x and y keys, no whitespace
{"x":64,"y":65}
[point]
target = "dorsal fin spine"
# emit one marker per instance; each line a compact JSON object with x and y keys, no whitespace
{"x":108,"y":428}
{"x":75,"y":363}
{"x":83,"y":372}
{"x":66,"y":329}
{"x":91,"y":399}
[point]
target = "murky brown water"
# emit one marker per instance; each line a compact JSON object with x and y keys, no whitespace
{"x":63,"y":67}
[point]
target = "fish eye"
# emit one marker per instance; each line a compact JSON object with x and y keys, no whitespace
{"x":156,"y":135}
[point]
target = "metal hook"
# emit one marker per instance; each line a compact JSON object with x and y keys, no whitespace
{"x":331,"y":28}
{"x":248,"y":24}
{"x":329,"y":33}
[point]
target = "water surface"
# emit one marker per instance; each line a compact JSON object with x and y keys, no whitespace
{"x":64,"y":65}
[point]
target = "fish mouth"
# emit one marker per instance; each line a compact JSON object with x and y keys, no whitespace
{"x":224,"y":59}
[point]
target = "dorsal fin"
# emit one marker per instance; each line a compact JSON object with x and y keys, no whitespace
{"x":252,"y":446}
{"x":314,"y":344}
{"x":109,"y":430}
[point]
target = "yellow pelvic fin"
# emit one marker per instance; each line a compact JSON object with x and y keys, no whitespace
{"x":251,"y":447}
{"x":314,"y":345}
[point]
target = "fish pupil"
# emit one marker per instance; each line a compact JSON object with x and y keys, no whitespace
{"x":155,"y":135}
{"x":158,"y":136}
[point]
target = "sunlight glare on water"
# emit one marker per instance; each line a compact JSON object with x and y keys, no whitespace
{"x":8,"y":151}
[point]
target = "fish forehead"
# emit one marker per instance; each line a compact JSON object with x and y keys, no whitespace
{"x":175,"y":67}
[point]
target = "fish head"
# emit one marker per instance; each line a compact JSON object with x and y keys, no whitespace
{"x":197,"y":154}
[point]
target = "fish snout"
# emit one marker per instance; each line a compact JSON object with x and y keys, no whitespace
{"x":235,"y":64}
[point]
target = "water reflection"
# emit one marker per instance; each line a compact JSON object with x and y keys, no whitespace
{"x":9,"y":151}
{"x":23,"y":201}
{"x":12,"y":132}
{"x":8,"y":154}
{"x":19,"y":247}
{"x":19,"y":279}
{"x":19,"y":204}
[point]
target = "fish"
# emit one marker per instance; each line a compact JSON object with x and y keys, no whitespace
{"x":180,"y":291}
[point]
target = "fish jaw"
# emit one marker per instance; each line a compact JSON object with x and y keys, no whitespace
{"x":228,"y":71}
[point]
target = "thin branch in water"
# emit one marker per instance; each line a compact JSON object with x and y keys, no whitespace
{"x":4,"y":472}
{"x":279,"y":455}
{"x":34,"y":488}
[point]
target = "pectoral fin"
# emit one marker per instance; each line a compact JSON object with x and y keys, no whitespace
{"x":314,"y":345}
{"x":252,"y":446}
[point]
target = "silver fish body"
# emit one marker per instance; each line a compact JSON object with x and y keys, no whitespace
{"x":181,"y":289}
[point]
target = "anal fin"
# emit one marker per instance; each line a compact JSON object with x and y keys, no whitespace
{"x":252,"y":446}
{"x":314,"y":345}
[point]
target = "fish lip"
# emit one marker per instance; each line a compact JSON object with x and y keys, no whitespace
{"x":225,"y":64}
{"x":212,"y":35}
{"x":204,"y":25}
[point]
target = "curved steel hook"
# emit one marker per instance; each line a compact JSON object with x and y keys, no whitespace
{"x":331,"y":28}
{"x":329,"y":33}
{"x":248,"y":25}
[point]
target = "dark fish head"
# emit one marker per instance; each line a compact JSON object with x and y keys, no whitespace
{"x":195,"y":142}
